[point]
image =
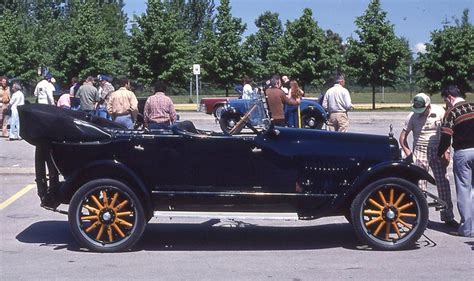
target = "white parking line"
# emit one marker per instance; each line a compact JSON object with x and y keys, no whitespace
{"x":16,"y":196}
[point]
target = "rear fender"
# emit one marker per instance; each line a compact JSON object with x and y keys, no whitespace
{"x":398,"y":169}
{"x":315,"y":109}
{"x":106,"y":169}
{"x":231,"y":112}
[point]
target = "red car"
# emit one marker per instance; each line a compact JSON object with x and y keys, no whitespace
{"x":214,"y":105}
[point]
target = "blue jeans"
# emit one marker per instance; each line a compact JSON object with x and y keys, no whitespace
{"x":291,"y":115}
{"x":463,"y":163}
{"x":125,"y":120}
{"x":101,"y":111}
{"x":14,"y":124}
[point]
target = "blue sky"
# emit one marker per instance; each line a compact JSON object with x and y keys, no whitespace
{"x":413,"y":19}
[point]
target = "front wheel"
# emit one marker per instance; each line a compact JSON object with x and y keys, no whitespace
{"x":105,"y":215}
{"x":218,"y":111}
{"x":390,"y":214}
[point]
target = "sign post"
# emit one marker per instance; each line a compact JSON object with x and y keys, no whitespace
{"x":197,"y":72}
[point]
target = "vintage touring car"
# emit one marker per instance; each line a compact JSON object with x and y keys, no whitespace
{"x":115,"y":180}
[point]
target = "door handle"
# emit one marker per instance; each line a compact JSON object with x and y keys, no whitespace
{"x":256,"y":150}
{"x":139,"y":147}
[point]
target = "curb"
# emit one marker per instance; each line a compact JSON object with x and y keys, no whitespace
{"x":185,"y":107}
{"x":364,"y":106}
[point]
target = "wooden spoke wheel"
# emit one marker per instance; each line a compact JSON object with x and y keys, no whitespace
{"x":390,"y":214}
{"x":106,"y":216}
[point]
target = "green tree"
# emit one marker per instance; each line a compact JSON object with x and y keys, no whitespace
{"x":93,"y":39}
{"x":19,"y":58}
{"x":376,"y":56}
{"x":198,"y":12}
{"x":160,"y":47}
{"x":303,"y":53}
{"x":224,"y":64}
{"x":449,"y":59}
{"x":256,"y":46}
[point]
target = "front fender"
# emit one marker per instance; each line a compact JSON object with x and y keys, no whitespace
{"x":398,"y":169}
{"x":105,"y":169}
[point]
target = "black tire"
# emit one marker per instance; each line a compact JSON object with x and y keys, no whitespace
{"x":217,"y":112}
{"x":312,"y":121}
{"x":105,"y":215}
{"x":348,"y":215}
{"x":227,"y":123}
{"x":390,"y":214}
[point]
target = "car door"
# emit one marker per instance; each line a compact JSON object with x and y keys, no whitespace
{"x":198,"y":161}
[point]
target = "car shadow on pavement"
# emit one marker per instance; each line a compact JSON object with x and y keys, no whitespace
{"x":245,"y":237}
{"x":234,"y":236}
{"x":55,"y":234}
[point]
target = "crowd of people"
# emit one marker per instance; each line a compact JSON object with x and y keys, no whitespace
{"x":434,"y":128}
{"x":97,"y":96}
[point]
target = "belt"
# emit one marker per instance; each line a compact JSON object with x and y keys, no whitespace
{"x":121,"y":114}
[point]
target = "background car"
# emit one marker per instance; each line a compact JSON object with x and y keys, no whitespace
{"x":313,"y":115}
{"x":214,"y":105}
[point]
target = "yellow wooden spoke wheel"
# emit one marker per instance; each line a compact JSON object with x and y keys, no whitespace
{"x":390,"y":214}
{"x":106,"y":216}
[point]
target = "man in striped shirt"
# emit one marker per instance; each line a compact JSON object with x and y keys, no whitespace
{"x":159,"y":112}
{"x":458,"y":124}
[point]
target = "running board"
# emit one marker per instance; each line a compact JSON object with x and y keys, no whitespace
{"x":226,"y":215}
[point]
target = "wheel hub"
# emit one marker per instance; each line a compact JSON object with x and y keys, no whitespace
{"x":231,"y":123}
{"x":311,"y":122}
{"x":389,"y":213}
{"x":107,"y":216}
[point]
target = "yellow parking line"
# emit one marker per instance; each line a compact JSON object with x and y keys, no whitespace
{"x":17,"y":195}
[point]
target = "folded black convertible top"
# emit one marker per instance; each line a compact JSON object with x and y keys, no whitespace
{"x":41,"y":123}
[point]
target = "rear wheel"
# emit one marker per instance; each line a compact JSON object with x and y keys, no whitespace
{"x":227,"y":123}
{"x":312,"y":121}
{"x":105,"y":215}
{"x":390,"y":214}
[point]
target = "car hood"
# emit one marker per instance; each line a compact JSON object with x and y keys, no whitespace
{"x":321,"y":144}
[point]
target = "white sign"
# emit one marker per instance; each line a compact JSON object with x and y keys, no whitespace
{"x":196,"y":69}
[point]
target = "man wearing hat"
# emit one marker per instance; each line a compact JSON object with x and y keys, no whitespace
{"x":105,"y":90}
{"x":425,"y":123}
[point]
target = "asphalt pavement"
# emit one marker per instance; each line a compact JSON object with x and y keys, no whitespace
{"x":36,"y":244}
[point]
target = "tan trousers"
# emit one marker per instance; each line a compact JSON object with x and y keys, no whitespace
{"x":338,"y":121}
{"x":4,"y":120}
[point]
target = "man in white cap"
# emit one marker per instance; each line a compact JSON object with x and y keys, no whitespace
{"x":425,"y":123}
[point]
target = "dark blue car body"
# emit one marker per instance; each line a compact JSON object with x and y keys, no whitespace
{"x":115,"y":180}
{"x":312,"y":114}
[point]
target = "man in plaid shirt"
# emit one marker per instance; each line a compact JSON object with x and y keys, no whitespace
{"x":425,"y":122}
{"x":159,"y":112}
